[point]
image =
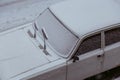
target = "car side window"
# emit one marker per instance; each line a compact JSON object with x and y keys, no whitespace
{"x":90,"y":44}
{"x":112,"y":36}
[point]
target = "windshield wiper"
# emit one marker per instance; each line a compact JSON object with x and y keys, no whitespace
{"x":45,"y":37}
{"x":35,"y":30}
{"x":33,"y":35}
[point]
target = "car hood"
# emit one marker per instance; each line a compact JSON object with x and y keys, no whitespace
{"x":18,"y":54}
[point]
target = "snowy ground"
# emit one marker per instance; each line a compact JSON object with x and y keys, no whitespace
{"x":17,"y":12}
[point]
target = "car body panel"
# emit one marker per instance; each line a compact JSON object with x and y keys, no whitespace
{"x":88,"y":65}
{"x":112,"y":56}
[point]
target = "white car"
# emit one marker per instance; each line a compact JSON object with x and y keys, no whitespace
{"x":71,"y":40}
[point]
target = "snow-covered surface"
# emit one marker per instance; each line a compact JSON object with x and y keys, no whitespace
{"x":18,"y":55}
{"x":84,"y":16}
{"x":16,"y":12}
{"x":41,"y":70}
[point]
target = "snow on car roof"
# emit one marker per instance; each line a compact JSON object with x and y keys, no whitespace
{"x":84,"y":16}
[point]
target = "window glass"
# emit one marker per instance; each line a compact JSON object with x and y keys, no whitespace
{"x":112,"y":36}
{"x":90,"y":44}
{"x":59,"y":37}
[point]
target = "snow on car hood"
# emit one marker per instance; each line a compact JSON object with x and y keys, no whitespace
{"x":18,"y":55}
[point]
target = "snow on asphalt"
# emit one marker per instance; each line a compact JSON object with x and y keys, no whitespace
{"x":16,"y":12}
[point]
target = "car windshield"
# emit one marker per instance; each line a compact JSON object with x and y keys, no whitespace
{"x":59,"y":37}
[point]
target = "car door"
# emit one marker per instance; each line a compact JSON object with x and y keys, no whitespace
{"x":112,"y":48}
{"x":90,"y":59}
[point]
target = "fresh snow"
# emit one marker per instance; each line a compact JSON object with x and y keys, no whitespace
{"x":16,"y":12}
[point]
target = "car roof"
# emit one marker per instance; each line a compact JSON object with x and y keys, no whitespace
{"x":84,"y":16}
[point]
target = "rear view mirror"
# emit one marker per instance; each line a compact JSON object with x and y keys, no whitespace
{"x":75,"y":58}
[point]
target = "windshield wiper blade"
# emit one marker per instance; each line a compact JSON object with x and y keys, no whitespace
{"x":30,"y":34}
{"x":33,"y":35}
{"x":45,"y":37}
{"x":35,"y":30}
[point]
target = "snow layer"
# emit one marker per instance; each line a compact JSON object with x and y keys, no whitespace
{"x":17,"y":12}
{"x":83,"y":16}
